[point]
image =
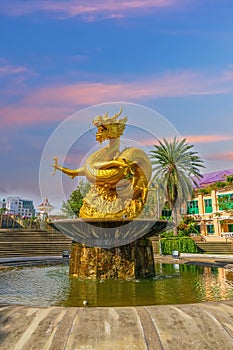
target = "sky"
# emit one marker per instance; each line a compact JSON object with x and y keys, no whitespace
{"x":58,"y":57}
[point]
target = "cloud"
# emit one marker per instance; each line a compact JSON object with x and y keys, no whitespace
{"x":208,"y":138}
{"x":53,"y":103}
{"x":195,"y":139}
{"x":8,"y":69}
{"x":88,"y":9}
{"x":225,"y":156}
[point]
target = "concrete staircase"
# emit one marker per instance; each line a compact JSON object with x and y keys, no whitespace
{"x":213,"y":238}
{"x":217,"y":247}
{"x":155,"y":244}
{"x":19,"y":243}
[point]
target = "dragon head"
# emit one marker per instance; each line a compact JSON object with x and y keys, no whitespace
{"x":109,"y":127}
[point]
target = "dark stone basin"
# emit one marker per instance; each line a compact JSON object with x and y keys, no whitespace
{"x":108,"y":233}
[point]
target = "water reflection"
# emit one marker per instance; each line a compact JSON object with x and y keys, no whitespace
{"x":173,"y":284}
{"x":218,"y":288}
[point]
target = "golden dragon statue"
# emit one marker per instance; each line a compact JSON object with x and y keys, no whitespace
{"x":119,"y":179}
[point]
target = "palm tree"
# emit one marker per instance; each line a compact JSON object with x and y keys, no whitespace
{"x":176,"y":168}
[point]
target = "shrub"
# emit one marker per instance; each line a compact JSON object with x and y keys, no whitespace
{"x":167,"y":234}
{"x":182,"y":244}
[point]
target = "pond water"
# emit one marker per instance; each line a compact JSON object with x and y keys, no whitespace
{"x":173,"y":284}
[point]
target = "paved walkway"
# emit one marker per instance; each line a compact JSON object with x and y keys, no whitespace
{"x":32,"y":261}
{"x":183,"y":258}
{"x":170,"y":327}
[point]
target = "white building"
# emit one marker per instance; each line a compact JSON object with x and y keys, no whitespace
{"x":18,"y":206}
{"x":45,"y":208}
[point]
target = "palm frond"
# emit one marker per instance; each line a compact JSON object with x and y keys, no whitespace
{"x":176,"y":166}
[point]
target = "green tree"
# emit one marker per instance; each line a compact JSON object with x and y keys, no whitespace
{"x":74,"y":203}
{"x":187,"y":226}
{"x":229,"y":180}
{"x":3,"y":209}
{"x":175,"y":167}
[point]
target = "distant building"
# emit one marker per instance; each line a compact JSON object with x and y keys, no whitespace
{"x":213,"y":210}
{"x":213,"y":213}
{"x":2,"y":205}
{"x":44,"y":209}
{"x":18,"y":206}
{"x":213,"y":177}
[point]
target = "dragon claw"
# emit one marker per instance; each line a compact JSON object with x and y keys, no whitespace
{"x":55,"y":165}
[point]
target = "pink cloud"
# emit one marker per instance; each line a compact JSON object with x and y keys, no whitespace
{"x":150,"y":142}
{"x":226,"y":156}
{"x":90,"y":10}
{"x":208,"y":138}
{"x":8,"y":69}
{"x":182,"y":83}
{"x":11,"y":70}
{"x":194,"y":139}
{"x":23,"y":114}
{"x":56,"y":102}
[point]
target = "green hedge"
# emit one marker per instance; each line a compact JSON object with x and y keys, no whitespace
{"x":182,"y":244}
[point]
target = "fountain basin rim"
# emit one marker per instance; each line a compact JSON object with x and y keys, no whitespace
{"x":109,"y":233}
{"x":95,"y":220}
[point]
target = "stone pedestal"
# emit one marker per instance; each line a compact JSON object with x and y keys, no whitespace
{"x":134,"y":260}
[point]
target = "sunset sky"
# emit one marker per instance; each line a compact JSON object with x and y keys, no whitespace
{"x":58,"y":57}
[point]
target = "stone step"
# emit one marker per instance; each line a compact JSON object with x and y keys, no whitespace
{"x":32,"y":243}
{"x":215,"y":247}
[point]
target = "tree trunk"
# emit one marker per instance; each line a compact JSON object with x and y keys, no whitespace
{"x":175,"y":218}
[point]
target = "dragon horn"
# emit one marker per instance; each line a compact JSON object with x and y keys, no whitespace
{"x":105,"y":116}
{"x":117,"y":114}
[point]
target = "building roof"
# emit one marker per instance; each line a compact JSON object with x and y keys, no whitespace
{"x":45,"y":205}
{"x":215,"y":176}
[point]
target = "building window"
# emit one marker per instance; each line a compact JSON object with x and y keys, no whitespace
{"x":192,"y":207}
{"x":166,"y":213}
{"x":225,"y":201}
{"x":210,"y":229}
{"x":208,"y":205}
